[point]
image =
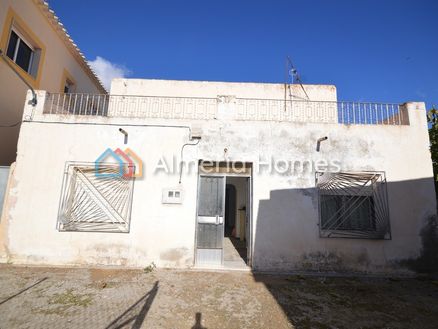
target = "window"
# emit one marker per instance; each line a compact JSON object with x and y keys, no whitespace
{"x":23,"y":48}
{"x":67,"y":83}
{"x":95,"y":198}
{"x":353,"y":212}
{"x":68,"y":87}
{"x":20,"y":52}
{"x":353,"y":205}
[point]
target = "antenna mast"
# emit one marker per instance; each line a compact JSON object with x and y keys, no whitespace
{"x":292,"y":72}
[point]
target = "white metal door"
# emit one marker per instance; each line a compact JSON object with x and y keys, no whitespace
{"x":210,"y":220}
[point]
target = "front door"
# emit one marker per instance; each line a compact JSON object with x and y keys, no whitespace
{"x":210,"y":221}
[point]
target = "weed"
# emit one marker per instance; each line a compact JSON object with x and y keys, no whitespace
{"x":150,"y":268}
{"x":68,"y":298}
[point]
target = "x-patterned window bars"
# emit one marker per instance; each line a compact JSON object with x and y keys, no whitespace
{"x":96,"y":197}
{"x":353,"y":205}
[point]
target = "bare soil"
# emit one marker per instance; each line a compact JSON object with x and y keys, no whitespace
{"x":35,"y":297}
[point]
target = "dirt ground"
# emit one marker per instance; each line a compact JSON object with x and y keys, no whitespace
{"x":33,"y":297}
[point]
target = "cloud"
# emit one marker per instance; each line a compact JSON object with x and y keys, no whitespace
{"x":106,"y":71}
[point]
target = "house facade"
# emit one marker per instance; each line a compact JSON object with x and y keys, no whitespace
{"x":37,"y":52}
{"x":263,"y":177}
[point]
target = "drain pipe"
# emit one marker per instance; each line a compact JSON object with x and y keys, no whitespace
{"x":318,"y":142}
{"x":34,"y":95}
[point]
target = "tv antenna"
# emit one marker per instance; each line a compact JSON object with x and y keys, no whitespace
{"x":292,"y":72}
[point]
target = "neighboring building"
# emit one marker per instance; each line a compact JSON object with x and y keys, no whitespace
{"x":313,"y":184}
{"x":36,"y":45}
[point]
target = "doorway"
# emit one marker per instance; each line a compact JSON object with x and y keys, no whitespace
{"x":235,"y":235}
{"x":223,"y":226}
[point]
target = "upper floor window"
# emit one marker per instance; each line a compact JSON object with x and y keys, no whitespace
{"x":68,"y":87}
{"x":20,"y":51}
{"x":23,"y":48}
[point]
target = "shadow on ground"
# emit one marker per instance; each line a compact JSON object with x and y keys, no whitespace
{"x":348,"y":302}
{"x":136,"y":313}
{"x":198,"y":321}
{"x":23,"y":290}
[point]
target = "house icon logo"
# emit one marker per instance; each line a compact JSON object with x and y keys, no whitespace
{"x":125,"y":164}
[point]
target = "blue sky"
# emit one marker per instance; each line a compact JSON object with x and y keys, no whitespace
{"x":371,"y":50}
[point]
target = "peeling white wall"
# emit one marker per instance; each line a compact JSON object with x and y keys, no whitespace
{"x":285,"y":215}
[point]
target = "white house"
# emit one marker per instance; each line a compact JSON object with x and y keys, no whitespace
{"x":270,"y":179}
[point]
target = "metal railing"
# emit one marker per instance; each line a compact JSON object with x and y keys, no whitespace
{"x":371,"y":113}
{"x":131,"y":106}
{"x":77,"y":104}
{"x":244,"y":109}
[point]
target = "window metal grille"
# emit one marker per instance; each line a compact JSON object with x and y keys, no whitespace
{"x":353,"y":205}
{"x":95,"y":197}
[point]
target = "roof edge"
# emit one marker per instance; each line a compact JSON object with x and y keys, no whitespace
{"x":59,"y":28}
{"x":228,"y":82}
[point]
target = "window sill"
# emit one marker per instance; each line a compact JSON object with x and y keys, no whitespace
{"x":354,"y":234}
{"x":25,"y":75}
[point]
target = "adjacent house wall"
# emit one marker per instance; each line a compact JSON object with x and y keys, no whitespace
{"x":57,"y":59}
{"x":285,"y":209}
